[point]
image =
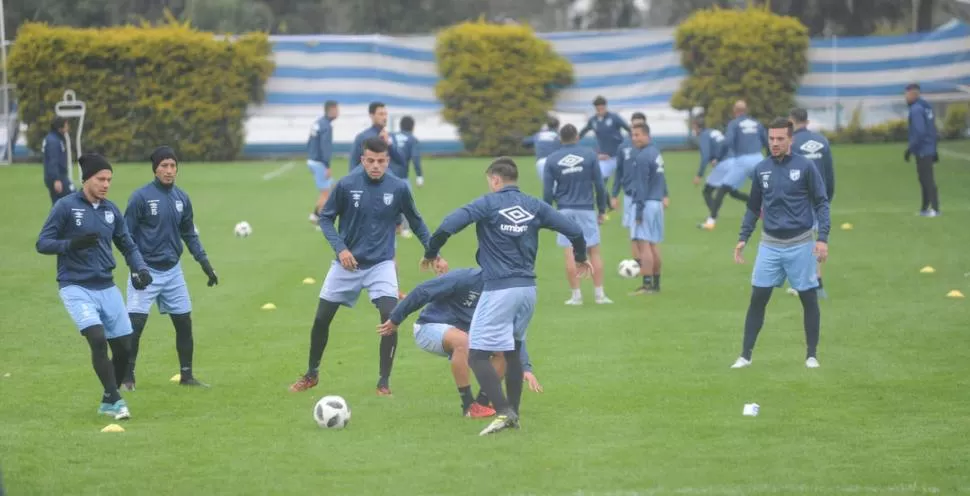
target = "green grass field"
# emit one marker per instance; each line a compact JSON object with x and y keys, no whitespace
{"x":638,"y":396}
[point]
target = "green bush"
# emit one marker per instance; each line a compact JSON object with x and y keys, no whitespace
{"x":750,"y":54}
{"x":896,"y":130}
{"x":955,"y":121}
{"x":498,"y":82}
{"x":143,"y":86}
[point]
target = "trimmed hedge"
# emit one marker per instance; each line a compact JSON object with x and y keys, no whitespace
{"x":143,"y":86}
{"x":498,"y":82}
{"x":749,"y":54}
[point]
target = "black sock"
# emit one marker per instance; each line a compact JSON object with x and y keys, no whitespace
{"x":648,"y":281}
{"x":320,"y":334}
{"x":737,"y":195}
{"x":755,"y":319}
{"x":385,"y":305}
{"x":708,"y":195}
{"x":819,"y":283}
{"x":466,"y":397}
{"x":184,"y":344}
{"x":482,"y":398}
{"x":138,"y":321}
{"x":656,"y":282}
{"x":718,"y":201}
{"x":513,"y":376}
{"x":120,"y":356}
{"x":102,"y":364}
{"x":813,"y":320}
{"x":488,"y":379}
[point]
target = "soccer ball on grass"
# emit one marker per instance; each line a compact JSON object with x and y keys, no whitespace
{"x":629,"y":269}
{"x":243,"y":229}
{"x":332,"y":412}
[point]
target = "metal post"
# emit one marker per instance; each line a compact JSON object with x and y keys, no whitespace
{"x":8,"y":151}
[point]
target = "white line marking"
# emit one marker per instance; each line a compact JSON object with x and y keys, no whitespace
{"x":951,"y":153}
{"x":283,"y":169}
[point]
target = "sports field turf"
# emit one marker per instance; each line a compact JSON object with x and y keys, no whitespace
{"x":639,"y":398}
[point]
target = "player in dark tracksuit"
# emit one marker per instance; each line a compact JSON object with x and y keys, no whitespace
{"x":378,"y":128}
{"x":507,"y":223}
{"x":922,"y":144}
{"x":789,"y":191}
{"x":710,"y":143}
{"x":409,"y":152}
{"x":160,"y":218}
{"x":608,"y":128}
{"x":54,"y":149}
{"x":319,"y":153}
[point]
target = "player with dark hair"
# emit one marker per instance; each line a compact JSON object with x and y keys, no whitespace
{"x":54,"y":149}
{"x":608,"y":127}
{"x":410,"y":152}
{"x":624,"y":177}
{"x":710,"y":142}
{"x":922,"y":143}
{"x":378,"y":128}
{"x":544,"y":142}
{"x":573,"y":184}
{"x":368,"y":202}
{"x":649,"y":201}
{"x":319,"y":153}
{"x":160,"y":218}
{"x":790,"y":192}
{"x":79,"y":230}
{"x":507,"y":223}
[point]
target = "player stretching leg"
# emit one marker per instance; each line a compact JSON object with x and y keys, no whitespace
{"x":743,"y":142}
{"x":160,"y":218}
{"x":319,"y":153}
{"x":649,"y":201}
{"x":574,"y":185}
{"x":368,"y":202}
{"x":508,"y":222}
{"x":79,"y":230}
{"x":791,"y":193}
{"x":710,"y":142}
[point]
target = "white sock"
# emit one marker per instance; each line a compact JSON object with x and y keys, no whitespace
{"x":577,"y":294}
{"x":599,"y":292}
{"x":710,"y":220}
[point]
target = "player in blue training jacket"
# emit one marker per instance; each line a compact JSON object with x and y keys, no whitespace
{"x":544,"y":142}
{"x":507,"y":223}
{"x":608,"y":128}
{"x":922,"y":143}
{"x":410,"y":152}
{"x":624,"y":177}
{"x":573,"y":185}
{"x":744,"y":140}
{"x":79,"y":230}
{"x":319,"y":155}
{"x":54,"y":149}
{"x":710,"y":142}
{"x":790,"y":192}
{"x":649,"y":201}
{"x":378,"y":128}
{"x":449,"y":302}
{"x":368,"y":202}
{"x":160,"y":218}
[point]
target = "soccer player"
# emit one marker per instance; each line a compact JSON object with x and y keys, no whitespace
{"x":790,"y":192}
{"x":624,"y":176}
{"x":54,"y":148}
{"x":710,"y":141}
{"x":410,"y":152}
{"x":814,"y":147}
{"x":378,"y":128}
{"x":608,"y":128}
{"x":573,"y":184}
{"x":319,"y":153}
{"x":160,"y":218}
{"x":743,"y":142}
{"x":79,"y":230}
{"x":368,"y":202}
{"x":649,"y":201}
{"x":922,"y":143}
{"x":544,"y":142}
{"x":507,"y":225}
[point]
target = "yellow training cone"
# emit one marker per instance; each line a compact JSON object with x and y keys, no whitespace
{"x":846,"y":227}
{"x":954,"y":294}
{"x":269,"y":306}
{"x":309,"y":280}
{"x":927,"y":270}
{"x":113,"y":428}
{"x":176,"y":378}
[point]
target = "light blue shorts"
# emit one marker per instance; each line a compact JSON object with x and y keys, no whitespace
{"x":607,"y":167}
{"x":541,"y":169}
{"x":716,"y":177}
{"x":430,"y":337}
{"x":319,"y":171}
{"x":742,"y":168}
{"x":627,"y":219}
{"x":587,"y":221}
{"x":168,"y":289}
{"x":343,"y":286}
{"x":651,"y":228}
{"x":796,"y":263}
{"x":501,"y":318}
{"x":90,"y":307}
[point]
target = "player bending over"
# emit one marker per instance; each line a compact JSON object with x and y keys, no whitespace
{"x":160,"y":218}
{"x":368,"y":202}
{"x":710,"y":142}
{"x":79,"y":230}
{"x":649,"y":201}
{"x":789,"y":190}
{"x":742,"y":151}
{"x":507,"y":225}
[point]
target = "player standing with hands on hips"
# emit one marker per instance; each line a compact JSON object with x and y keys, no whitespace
{"x":790,"y":191}
{"x":160,"y":217}
{"x":79,"y":230}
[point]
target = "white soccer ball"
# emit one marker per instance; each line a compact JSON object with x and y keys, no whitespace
{"x":243,"y":229}
{"x":332,"y":412}
{"x":629,"y":269}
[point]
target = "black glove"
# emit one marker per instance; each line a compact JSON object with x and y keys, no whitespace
{"x":141,"y":279}
{"x":907,"y":155}
{"x":936,"y":157}
{"x":83,"y":241}
{"x":213,"y":278}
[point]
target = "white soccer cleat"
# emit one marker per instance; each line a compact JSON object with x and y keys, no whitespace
{"x":792,"y":291}
{"x":603,"y":300}
{"x":741,"y":363}
{"x":500,"y":423}
{"x":812,"y":363}
{"x":574,"y":302}
{"x":313,"y":218}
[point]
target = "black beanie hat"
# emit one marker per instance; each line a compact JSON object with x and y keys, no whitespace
{"x":161,"y":153}
{"x":91,"y":164}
